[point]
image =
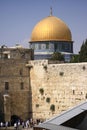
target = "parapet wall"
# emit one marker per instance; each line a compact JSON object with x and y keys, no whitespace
{"x":56,"y":87}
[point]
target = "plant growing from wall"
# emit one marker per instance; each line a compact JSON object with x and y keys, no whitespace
{"x":45,"y":67}
{"x":86,"y":96}
{"x":41,"y":90}
{"x":37,"y":105}
{"x":61,"y":73}
{"x":52,"y":107}
{"x":84,"y":67}
{"x":48,"y":99}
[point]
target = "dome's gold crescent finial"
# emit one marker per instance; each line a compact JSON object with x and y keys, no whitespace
{"x":51,"y":12}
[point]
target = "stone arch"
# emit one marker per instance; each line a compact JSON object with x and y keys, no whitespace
{"x":14,"y":118}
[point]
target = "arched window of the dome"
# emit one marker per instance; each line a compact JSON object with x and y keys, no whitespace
{"x":36,"y":46}
{"x":47,"y":45}
{"x":67,"y":47}
{"x":43,"y":46}
{"x":51,"y":45}
{"x":39,"y":46}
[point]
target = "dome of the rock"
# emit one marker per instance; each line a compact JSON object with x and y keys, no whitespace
{"x":51,"y":35}
{"x":51,"y":28}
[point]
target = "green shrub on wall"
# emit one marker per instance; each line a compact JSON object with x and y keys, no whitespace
{"x":61,"y":73}
{"x":37,"y":105}
{"x":84,"y":67}
{"x":41,"y":90}
{"x":52,"y":107}
{"x":86,"y":96}
{"x":48,"y":99}
{"x":45,"y":67}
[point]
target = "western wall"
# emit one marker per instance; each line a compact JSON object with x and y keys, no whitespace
{"x":40,"y":89}
{"x":56,"y":87}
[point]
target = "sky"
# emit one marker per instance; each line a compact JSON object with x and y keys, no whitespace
{"x":18,"y":18}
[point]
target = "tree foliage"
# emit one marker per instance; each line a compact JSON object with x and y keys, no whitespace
{"x":82,"y":56}
{"x":83,"y":52}
{"x":57,"y":56}
{"x":75,"y":58}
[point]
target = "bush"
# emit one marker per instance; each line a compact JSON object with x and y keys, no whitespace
{"x":52,"y":107}
{"x":37,"y":105}
{"x":48,"y":99}
{"x":41,"y":91}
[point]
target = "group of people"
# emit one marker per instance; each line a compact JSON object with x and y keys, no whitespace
{"x":21,"y":124}
{"x":17,"y":124}
{"x":4,"y":124}
{"x":26,"y":124}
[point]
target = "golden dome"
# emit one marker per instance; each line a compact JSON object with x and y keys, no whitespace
{"x":51,"y":28}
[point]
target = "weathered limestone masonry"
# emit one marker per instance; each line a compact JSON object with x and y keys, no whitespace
{"x":14,"y":89}
{"x":56,"y":87}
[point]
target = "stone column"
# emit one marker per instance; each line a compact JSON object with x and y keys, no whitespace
{"x":7,"y":107}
